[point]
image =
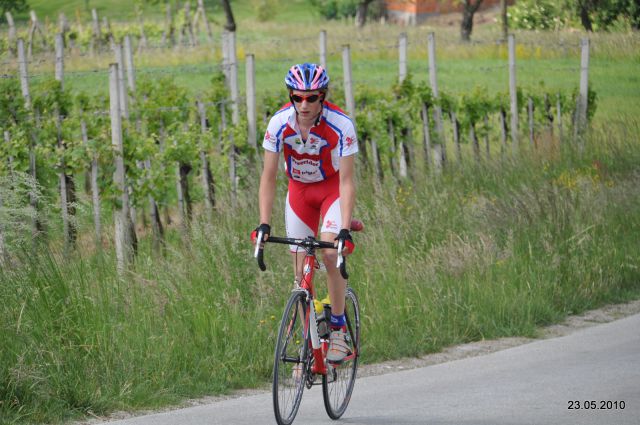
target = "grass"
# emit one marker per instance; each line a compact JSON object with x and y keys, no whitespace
{"x":480,"y":251}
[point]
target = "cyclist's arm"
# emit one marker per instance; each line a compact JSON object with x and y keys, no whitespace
{"x":267,"y":190}
{"x":347,"y":189}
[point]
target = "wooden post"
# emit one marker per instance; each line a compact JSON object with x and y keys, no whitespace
{"x":456,"y":135}
{"x":433,"y":80}
{"x":123,"y":238}
{"x":11,"y":39}
{"x":424,"y":114}
{"x":348,"y":82}
{"x":475,"y":142}
{"x":583,"y":98}
{"x":24,"y":83}
{"x":122,"y":97}
{"x":503,"y":132}
{"x":96,"y":40}
{"x":128,"y":56}
{"x":402,"y":53}
{"x":207,"y":189}
{"x":323,"y":48}
{"x":531,"y":121}
{"x":251,"y":103}
{"x":63,"y":179}
{"x":143,"y":42}
{"x":200,"y":13}
{"x":513,"y":92}
{"x":95,"y":191}
{"x":559,"y":116}
{"x":225,"y":54}
{"x":233,"y":78}
{"x":168,"y":34}
{"x":486,"y":137}
{"x":35,"y":26}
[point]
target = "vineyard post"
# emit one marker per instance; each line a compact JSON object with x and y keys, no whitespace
{"x":424,"y":113}
{"x":7,"y":140}
{"x":207,"y":188}
{"x":251,"y":104}
{"x":235,"y":110}
{"x":142,"y":44}
{"x":122,"y":96}
{"x":503,"y":132}
{"x":513,"y":91}
{"x":131,"y":72}
{"x":169,"y":31}
{"x":12,"y":33}
{"x":433,"y":79}
{"x":95,"y":191}
{"x":583,"y":98}
{"x":200,"y":12}
{"x":225,"y":54}
{"x":187,"y":23}
{"x":323,"y":48}
{"x":392,"y":147}
{"x":63,"y":24}
{"x":35,"y":26}
{"x":3,"y":250}
{"x":475,"y":142}
{"x":123,"y":238}
{"x":486,"y":136}
{"x":456,"y":135}
{"x":62,"y":177}
{"x":348,"y":82}
{"x":97,"y":33}
{"x":402,"y":53}
{"x":531,"y":121}
{"x":559,"y":116}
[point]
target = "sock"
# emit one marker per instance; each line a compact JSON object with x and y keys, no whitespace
{"x":338,"y":322}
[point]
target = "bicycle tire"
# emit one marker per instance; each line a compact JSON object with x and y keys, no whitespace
{"x":337,"y":385}
{"x":291,"y":359}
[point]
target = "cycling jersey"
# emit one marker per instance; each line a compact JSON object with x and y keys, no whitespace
{"x":317,"y":158}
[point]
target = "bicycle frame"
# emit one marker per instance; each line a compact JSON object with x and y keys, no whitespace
{"x":319,"y":348}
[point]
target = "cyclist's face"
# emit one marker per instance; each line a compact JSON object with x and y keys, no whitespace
{"x":307,"y":102}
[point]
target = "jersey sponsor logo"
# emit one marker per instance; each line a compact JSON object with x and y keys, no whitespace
{"x":330,"y":224}
{"x":306,"y":169}
{"x":349,"y":141}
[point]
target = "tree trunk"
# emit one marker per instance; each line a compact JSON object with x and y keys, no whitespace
{"x":503,"y":16}
{"x":584,"y":16}
{"x":231,"y":23}
{"x":361,"y":14}
{"x":469,"y":9}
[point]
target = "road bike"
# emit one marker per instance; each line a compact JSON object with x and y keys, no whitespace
{"x":303,"y":339}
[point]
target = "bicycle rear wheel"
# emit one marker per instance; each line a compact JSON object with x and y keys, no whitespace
{"x":337,"y":384}
{"x":291,"y":359}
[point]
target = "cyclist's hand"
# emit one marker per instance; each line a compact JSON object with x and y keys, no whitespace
{"x":266,"y":231}
{"x":347,"y":241}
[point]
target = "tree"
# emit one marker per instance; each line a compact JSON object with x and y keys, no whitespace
{"x":231,"y":23}
{"x":469,"y":9}
{"x":361,"y":14}
{"x":503,"y":18}
{"x":13,"y":6}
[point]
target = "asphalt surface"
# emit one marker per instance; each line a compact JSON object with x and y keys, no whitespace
{"x":591,"y":376}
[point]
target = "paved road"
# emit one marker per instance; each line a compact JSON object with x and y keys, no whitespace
{"x":530,"y":384}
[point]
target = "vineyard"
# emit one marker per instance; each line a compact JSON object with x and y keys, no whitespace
{"x":179,"y":151}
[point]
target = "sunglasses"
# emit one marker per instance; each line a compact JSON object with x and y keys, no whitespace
{"x":310,"y":98}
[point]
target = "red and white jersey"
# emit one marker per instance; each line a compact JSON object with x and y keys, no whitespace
{"x":317,"y":158}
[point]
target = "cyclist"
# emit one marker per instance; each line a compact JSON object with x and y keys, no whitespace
{"x":319,"y":142}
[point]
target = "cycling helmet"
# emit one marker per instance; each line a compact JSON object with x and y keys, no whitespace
{"x":307,"y":77}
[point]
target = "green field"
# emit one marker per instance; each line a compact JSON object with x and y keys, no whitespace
{"x":482,"y":250}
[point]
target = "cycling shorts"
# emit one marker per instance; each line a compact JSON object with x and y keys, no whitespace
{"x":307,"y":202}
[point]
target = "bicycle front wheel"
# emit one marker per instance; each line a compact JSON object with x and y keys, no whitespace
{"x":337,"y":384}
{"x":291,"y":359}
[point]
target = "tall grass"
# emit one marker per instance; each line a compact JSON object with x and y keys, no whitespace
{"x":479,"y":251}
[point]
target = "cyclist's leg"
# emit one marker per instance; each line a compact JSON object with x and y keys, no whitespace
{"x":337,"y":285}
{"x":299,"y":220}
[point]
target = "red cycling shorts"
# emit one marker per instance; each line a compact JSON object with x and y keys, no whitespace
{"x":307,"y":202}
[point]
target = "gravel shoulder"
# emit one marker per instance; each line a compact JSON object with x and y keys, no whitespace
{"x":568,"y":326}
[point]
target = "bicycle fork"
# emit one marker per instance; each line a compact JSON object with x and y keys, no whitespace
{"x":318,"y":348}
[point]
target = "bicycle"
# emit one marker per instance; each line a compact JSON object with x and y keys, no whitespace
{"x":301,"y":349}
